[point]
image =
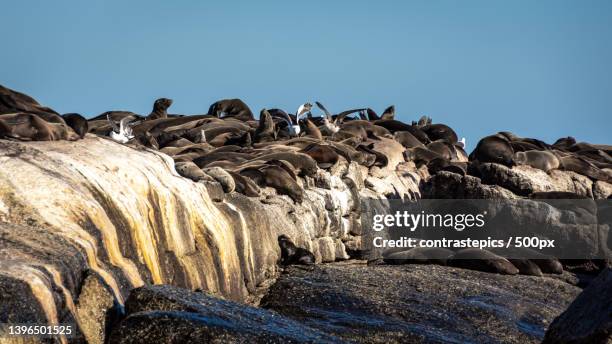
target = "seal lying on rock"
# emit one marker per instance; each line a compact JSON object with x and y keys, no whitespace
{"x":231,"y":108}
{"x":482,"y":260}
{"x":291,"y":254}
{"x":542,"y":160}
{"x":494,"y":148}
{"x":31,"y":127}
{"x":77,"y":122}
{"x":190,"y":170}
{"x":221,"y":176}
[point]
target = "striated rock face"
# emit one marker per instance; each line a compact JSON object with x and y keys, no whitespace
{"x":419,"y":303}
{"x":589,"y":318}
{"x":69,"y":210}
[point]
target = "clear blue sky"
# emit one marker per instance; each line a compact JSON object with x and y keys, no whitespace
{"x":537,"y":68}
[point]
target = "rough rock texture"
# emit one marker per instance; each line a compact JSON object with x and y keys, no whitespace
{"x":126,"y":215}
{"x":589,"y":318}
{"x":524,"y":180}
{"x":452,"y":185}
{"x":419,"y":303}
{"x":498,"y":181}
{"x":165,"y":314}
{"x":95,"y":309}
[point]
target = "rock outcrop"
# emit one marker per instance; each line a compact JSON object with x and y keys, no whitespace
{"x":362,"y":303}
{"x":165,"y":314}
{"x":93,"y":207}
{"x":589,"y":318}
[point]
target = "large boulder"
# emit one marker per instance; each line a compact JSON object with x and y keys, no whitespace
{"x":419,"y":303}
{"x":166,"y":314}
{"x":589,"y":318}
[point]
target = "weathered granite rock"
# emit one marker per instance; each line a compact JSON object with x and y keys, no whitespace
{"x":589,"y":318}
{"x":125,"y":214}
{"x":448,"y":185}
{"x":327,"y":249}
{"x":419,"y":303}
{"x":165,"y":314}
{"x":602,"y":190}
{"x":96,"y":309}
{"x":524,"y":180}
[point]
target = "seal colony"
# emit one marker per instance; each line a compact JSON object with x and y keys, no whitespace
{"x":281,"y":153}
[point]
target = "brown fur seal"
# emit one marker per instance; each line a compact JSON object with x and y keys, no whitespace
{"x":369,"y":127}
{"x":422,"y":155}
{"x":325,"y":155}
{"x":545,"y":263}
{"x":235,"y":108}
{"x":31,"y":127}
{"x":77,"y":122}
{"x":482,"y":260}
{"x":12,"y":101}
{"x":419,"y":255}
{"x":160,"y":107}
{"x":222,"y":177}
{"x":265,"y":130}
{"x":580,"y":165}
{"x":542,"y":160}
{"x":302,"y":162}
{"x":190,"y":170}
{"x":440,"y":132}
{"x":440,"y":164}
{"x":395,"y":125}
{"x":564,"y":143}
{"x":312,"y":130}
{"x":442,"y":147}
{"x":204,"y":160}
{"x":493,"y":149}
{"x":275,"y":177}
{"x":291,"y":254}
{"x":526,"y":266}
{"x":406,"y":139}
{"x":245,"y":185}
{"x":389,"y":113}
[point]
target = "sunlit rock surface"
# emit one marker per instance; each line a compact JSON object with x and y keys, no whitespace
{"x":93,"y":207}
{"x":419,"y":303}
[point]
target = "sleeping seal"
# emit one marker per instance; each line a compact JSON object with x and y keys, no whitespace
{"x":221,"y":176}
{"x":542,"y":160}
{"x":275,"y":177}
{"x":77,"y":122}
{"x":235,"y":108}
{"x":440,"y":132}
{"x":494,"y":149}
{"x":31,"y":127}
{"x":324,"y":154}
{"x":482,"y":260}
{"x":190,"y":170}
{"x":302,"y":162}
